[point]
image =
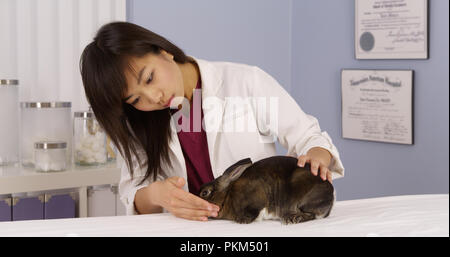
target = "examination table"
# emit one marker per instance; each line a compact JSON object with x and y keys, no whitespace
{"x":409,"y":215}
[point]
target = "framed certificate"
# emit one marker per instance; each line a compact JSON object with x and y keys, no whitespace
{"x":391,"y":29}
{"x":377,"y":105}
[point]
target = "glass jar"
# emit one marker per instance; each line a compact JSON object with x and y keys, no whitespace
{"x":89,"y":140}
{"x":9,"y":120}
{"x":42,"y":122}
{"x":50,"y":156}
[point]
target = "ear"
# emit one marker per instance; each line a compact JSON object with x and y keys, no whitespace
{"x":234,"y":166}
{"x":235,"y":171}
{"x":165,"y":53}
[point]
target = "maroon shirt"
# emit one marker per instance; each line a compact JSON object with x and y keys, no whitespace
{"x":195,"y":148}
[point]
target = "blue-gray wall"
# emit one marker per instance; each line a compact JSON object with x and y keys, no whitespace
{"x":304,"y":44}
{"x":323,"y":44}
{"x":255,"y":32}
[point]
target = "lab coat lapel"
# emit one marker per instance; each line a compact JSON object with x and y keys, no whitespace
{"x":178,"y":164}
{"x":212,"y":107}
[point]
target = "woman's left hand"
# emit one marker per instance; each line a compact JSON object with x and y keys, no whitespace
{"x":319,"y":159}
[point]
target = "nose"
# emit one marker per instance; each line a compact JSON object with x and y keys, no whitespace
{"x":154,"y":96}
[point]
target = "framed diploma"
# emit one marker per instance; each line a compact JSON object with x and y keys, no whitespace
{"x":391,"y":29}
{"x":377,"y":105}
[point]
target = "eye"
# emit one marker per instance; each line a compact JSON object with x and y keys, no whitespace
{"x":135,"y":101}
{"x":205,"y":193}
{"x":150,"y":78}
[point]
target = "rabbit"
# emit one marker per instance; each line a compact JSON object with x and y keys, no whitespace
{"x":271,"y":188}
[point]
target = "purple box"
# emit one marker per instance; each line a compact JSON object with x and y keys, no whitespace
{"x":59,"y":206}
{"x":28,"y":208}
{"x":5,"y":209}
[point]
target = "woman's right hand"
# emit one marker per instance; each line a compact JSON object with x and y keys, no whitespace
{"x":183,"y":204}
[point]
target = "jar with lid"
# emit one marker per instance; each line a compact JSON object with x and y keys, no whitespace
{"x":50,"y":156}
{"x":44,"y":121}
{"x":9,"y":120}
{"x":89,"y":140}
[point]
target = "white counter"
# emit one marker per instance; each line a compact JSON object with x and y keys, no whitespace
{"x":17,"y":179}
{"x":412,"y":215}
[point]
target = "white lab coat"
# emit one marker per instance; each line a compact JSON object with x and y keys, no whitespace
{"x":222,"y":82}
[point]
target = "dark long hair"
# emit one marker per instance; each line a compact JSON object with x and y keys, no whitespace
{"x":103,"y":64}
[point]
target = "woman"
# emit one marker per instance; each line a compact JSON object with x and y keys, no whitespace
{"x":139,"y":85}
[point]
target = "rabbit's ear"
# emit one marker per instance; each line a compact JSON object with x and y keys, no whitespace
{"x":232,"y":174}
{"x":237,"y":172}
{"x":237,"y":164}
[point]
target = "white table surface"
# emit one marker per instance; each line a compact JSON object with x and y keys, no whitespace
{"x":411,"y":215}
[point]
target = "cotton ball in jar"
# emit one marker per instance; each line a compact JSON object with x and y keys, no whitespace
{"x":92,"y":149}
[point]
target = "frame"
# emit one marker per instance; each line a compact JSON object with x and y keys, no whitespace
{"x":377,"y":105}
{"x":391,"y":29}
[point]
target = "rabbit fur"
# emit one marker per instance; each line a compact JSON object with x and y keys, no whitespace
{"x":271,"y":188}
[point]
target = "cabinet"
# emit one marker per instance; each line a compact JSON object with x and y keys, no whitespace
{"x":5,"y":208}
{"x":27,"y":207}
{"x":101,"y":201}
{"x":60,"y":205}
{"x":17,"y":182}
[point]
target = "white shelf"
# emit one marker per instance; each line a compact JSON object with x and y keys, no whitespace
{"x":18,"y":179}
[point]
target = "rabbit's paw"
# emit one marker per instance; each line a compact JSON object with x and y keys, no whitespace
{"x":244,"y":219}
{"x":294,"y":218}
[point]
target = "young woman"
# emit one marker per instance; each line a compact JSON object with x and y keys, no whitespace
{"x":170,"y":116}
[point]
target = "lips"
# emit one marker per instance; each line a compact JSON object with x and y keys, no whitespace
{"x":168,"y":103}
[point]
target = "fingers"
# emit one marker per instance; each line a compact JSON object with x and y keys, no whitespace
{"x":193,"y":214}
{"x":188,"y":200}
{"x":321,"y":169}
{"x":315,"y":164}
{"x":185,"y":196}
{"x":329,"y":177}
{"x":317,"y":167}
{"x":185,"y":205}
{"x":302,"y":160}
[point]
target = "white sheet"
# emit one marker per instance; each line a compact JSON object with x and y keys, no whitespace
{"x":411,"y":215}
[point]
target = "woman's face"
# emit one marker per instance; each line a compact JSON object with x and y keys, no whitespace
{"x":156,"y":79}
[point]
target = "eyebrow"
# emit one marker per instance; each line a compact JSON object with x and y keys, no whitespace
{"x":138,"y":80}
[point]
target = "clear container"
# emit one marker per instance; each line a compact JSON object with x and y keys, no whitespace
{"x":42,"y":122}
{"x":89,"y":140}
{"x":50,"y":156}
{"x":9,"y":121}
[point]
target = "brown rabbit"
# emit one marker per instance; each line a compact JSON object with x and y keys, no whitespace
{"x":274,"y":187}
